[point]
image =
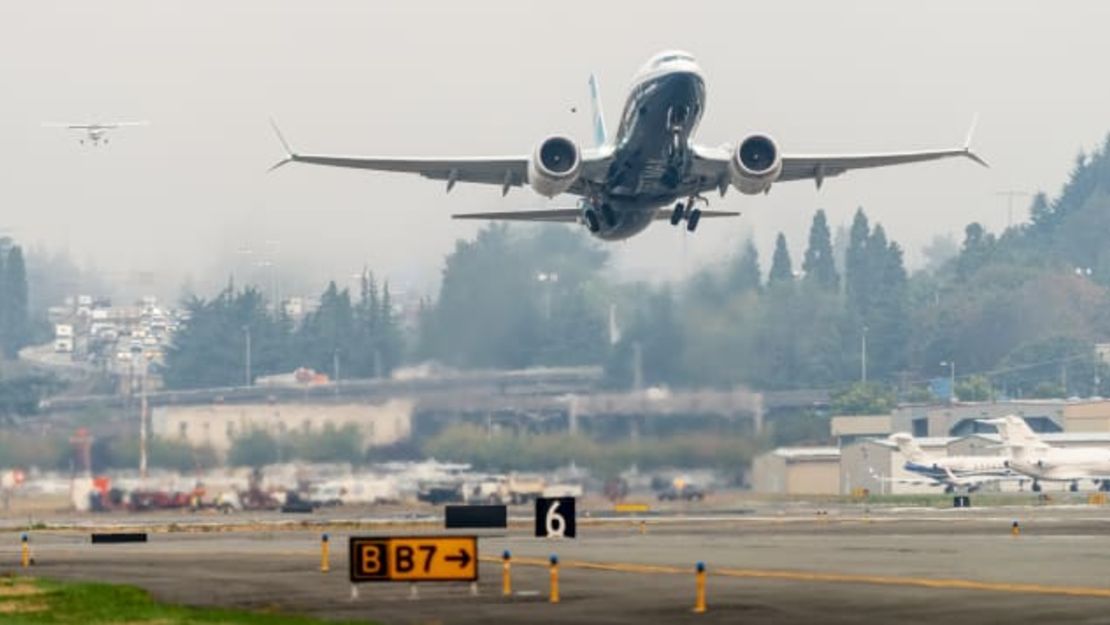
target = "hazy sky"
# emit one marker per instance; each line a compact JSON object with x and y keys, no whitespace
{"x":182,"y":196}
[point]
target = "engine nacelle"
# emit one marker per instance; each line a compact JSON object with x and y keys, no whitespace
{"x":554,"y":166}
{"x":755,"y":164}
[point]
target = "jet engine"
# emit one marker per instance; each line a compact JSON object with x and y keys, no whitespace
{"x":554,"y":166}
{"x":755,"y":164}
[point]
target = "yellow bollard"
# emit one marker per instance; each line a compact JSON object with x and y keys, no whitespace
{"x":325,"y":564}
{"x":1015,"y":530}
{"x":25,"y":559}
{"x":554,"y":578}
{"x":699,"y":597}
{"x":506,"y":575}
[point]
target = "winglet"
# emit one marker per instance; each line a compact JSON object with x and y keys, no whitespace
{"x":600,"y":136}
{"x":967,"y":143}
{"x":290,"y":155}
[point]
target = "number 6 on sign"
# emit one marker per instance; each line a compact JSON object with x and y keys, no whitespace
{"x":555,"y":517}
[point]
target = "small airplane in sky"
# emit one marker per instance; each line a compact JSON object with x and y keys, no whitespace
{"x":631,"y":179}
{"x":95,"y":133}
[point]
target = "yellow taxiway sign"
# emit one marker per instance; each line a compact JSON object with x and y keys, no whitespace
{"x":414,"y":559}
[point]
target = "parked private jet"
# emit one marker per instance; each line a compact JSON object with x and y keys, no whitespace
{"x":951,"y":472}
{"x":1030,"y":455}
{"x":631,"y":179}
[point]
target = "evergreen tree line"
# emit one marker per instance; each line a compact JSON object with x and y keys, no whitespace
{"x":798,"y":329}
{"x":15,"y":326}
{"x":235,"y":337}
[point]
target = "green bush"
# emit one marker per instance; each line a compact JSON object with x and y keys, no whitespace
{"x":330,"y":445}
{"x":256,"y":448}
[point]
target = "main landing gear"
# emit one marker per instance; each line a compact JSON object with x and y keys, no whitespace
{"x":687,"y":211}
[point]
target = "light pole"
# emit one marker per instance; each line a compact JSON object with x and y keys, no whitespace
{"x":247,"y":350}
{"x":951,"y":364}
{"x":142,"y":419}
{"x":1010,"y":194}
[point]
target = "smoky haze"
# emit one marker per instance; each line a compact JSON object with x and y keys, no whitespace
{"x":188,"y":200}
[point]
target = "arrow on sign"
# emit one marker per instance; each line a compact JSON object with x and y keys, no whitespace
{"x":463,"y":558}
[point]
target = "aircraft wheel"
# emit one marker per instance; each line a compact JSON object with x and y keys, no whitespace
{"x":692,"y":220}
{"x":592,"y":223}
{"x":1074,"y":487}
{"x":676,"y":214}
{"x":608,"y":215}
{"x":1036,"y":487}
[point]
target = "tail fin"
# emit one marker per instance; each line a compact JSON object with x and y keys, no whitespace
{"x":909,"y":447}
{"x":1016,"y":433}
{"x":600,"y":136}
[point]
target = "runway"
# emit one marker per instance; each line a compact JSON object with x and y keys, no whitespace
{"x":909,"y":565}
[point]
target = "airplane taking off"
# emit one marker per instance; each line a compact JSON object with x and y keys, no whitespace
{"x":1031,"y":456}
{"x":952,"y":472}
{"x":628,"y":181}
{"x":95,"y":132}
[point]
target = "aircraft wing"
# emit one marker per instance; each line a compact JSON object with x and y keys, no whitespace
{"x":505,"y":171}
{"x":818,"y":167}
{"x":711,"y":164}
{"x":92,"y":126}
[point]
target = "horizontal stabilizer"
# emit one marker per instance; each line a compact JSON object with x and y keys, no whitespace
{"x":555,"y":215}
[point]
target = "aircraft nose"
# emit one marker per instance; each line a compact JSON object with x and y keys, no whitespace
{"x":687,"y":81}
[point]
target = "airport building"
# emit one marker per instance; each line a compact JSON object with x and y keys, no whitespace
{"x":217,"y":425}
{"x":797,"y":471}
{"x":865,"y":459}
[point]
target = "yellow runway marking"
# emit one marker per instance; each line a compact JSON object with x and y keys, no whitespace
{"x":813,"y":576}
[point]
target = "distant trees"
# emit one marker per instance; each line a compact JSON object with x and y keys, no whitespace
{"x":257,"y":447}
{"x":212,"y":348}
{"x":15,"y":328}
{"x":782,"y":269}
{"x":517,"y":299}
{"x":819,"y":265}
{"x":746,"y":274}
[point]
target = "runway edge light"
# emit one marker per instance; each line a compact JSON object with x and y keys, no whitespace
{"x":699,"y":584}
{"x":554,"y":578}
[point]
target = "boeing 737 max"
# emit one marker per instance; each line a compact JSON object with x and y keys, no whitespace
{"x":628,"y":181}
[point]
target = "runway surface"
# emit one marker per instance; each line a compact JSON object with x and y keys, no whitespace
{"x":906,"y":565}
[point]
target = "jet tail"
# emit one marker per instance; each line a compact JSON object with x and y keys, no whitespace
{"x":600,"y":136}
{"x":1016,"y":433}
{"x":909,"y":447}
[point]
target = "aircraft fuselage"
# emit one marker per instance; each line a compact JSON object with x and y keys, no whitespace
{"x":651,"y":154}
